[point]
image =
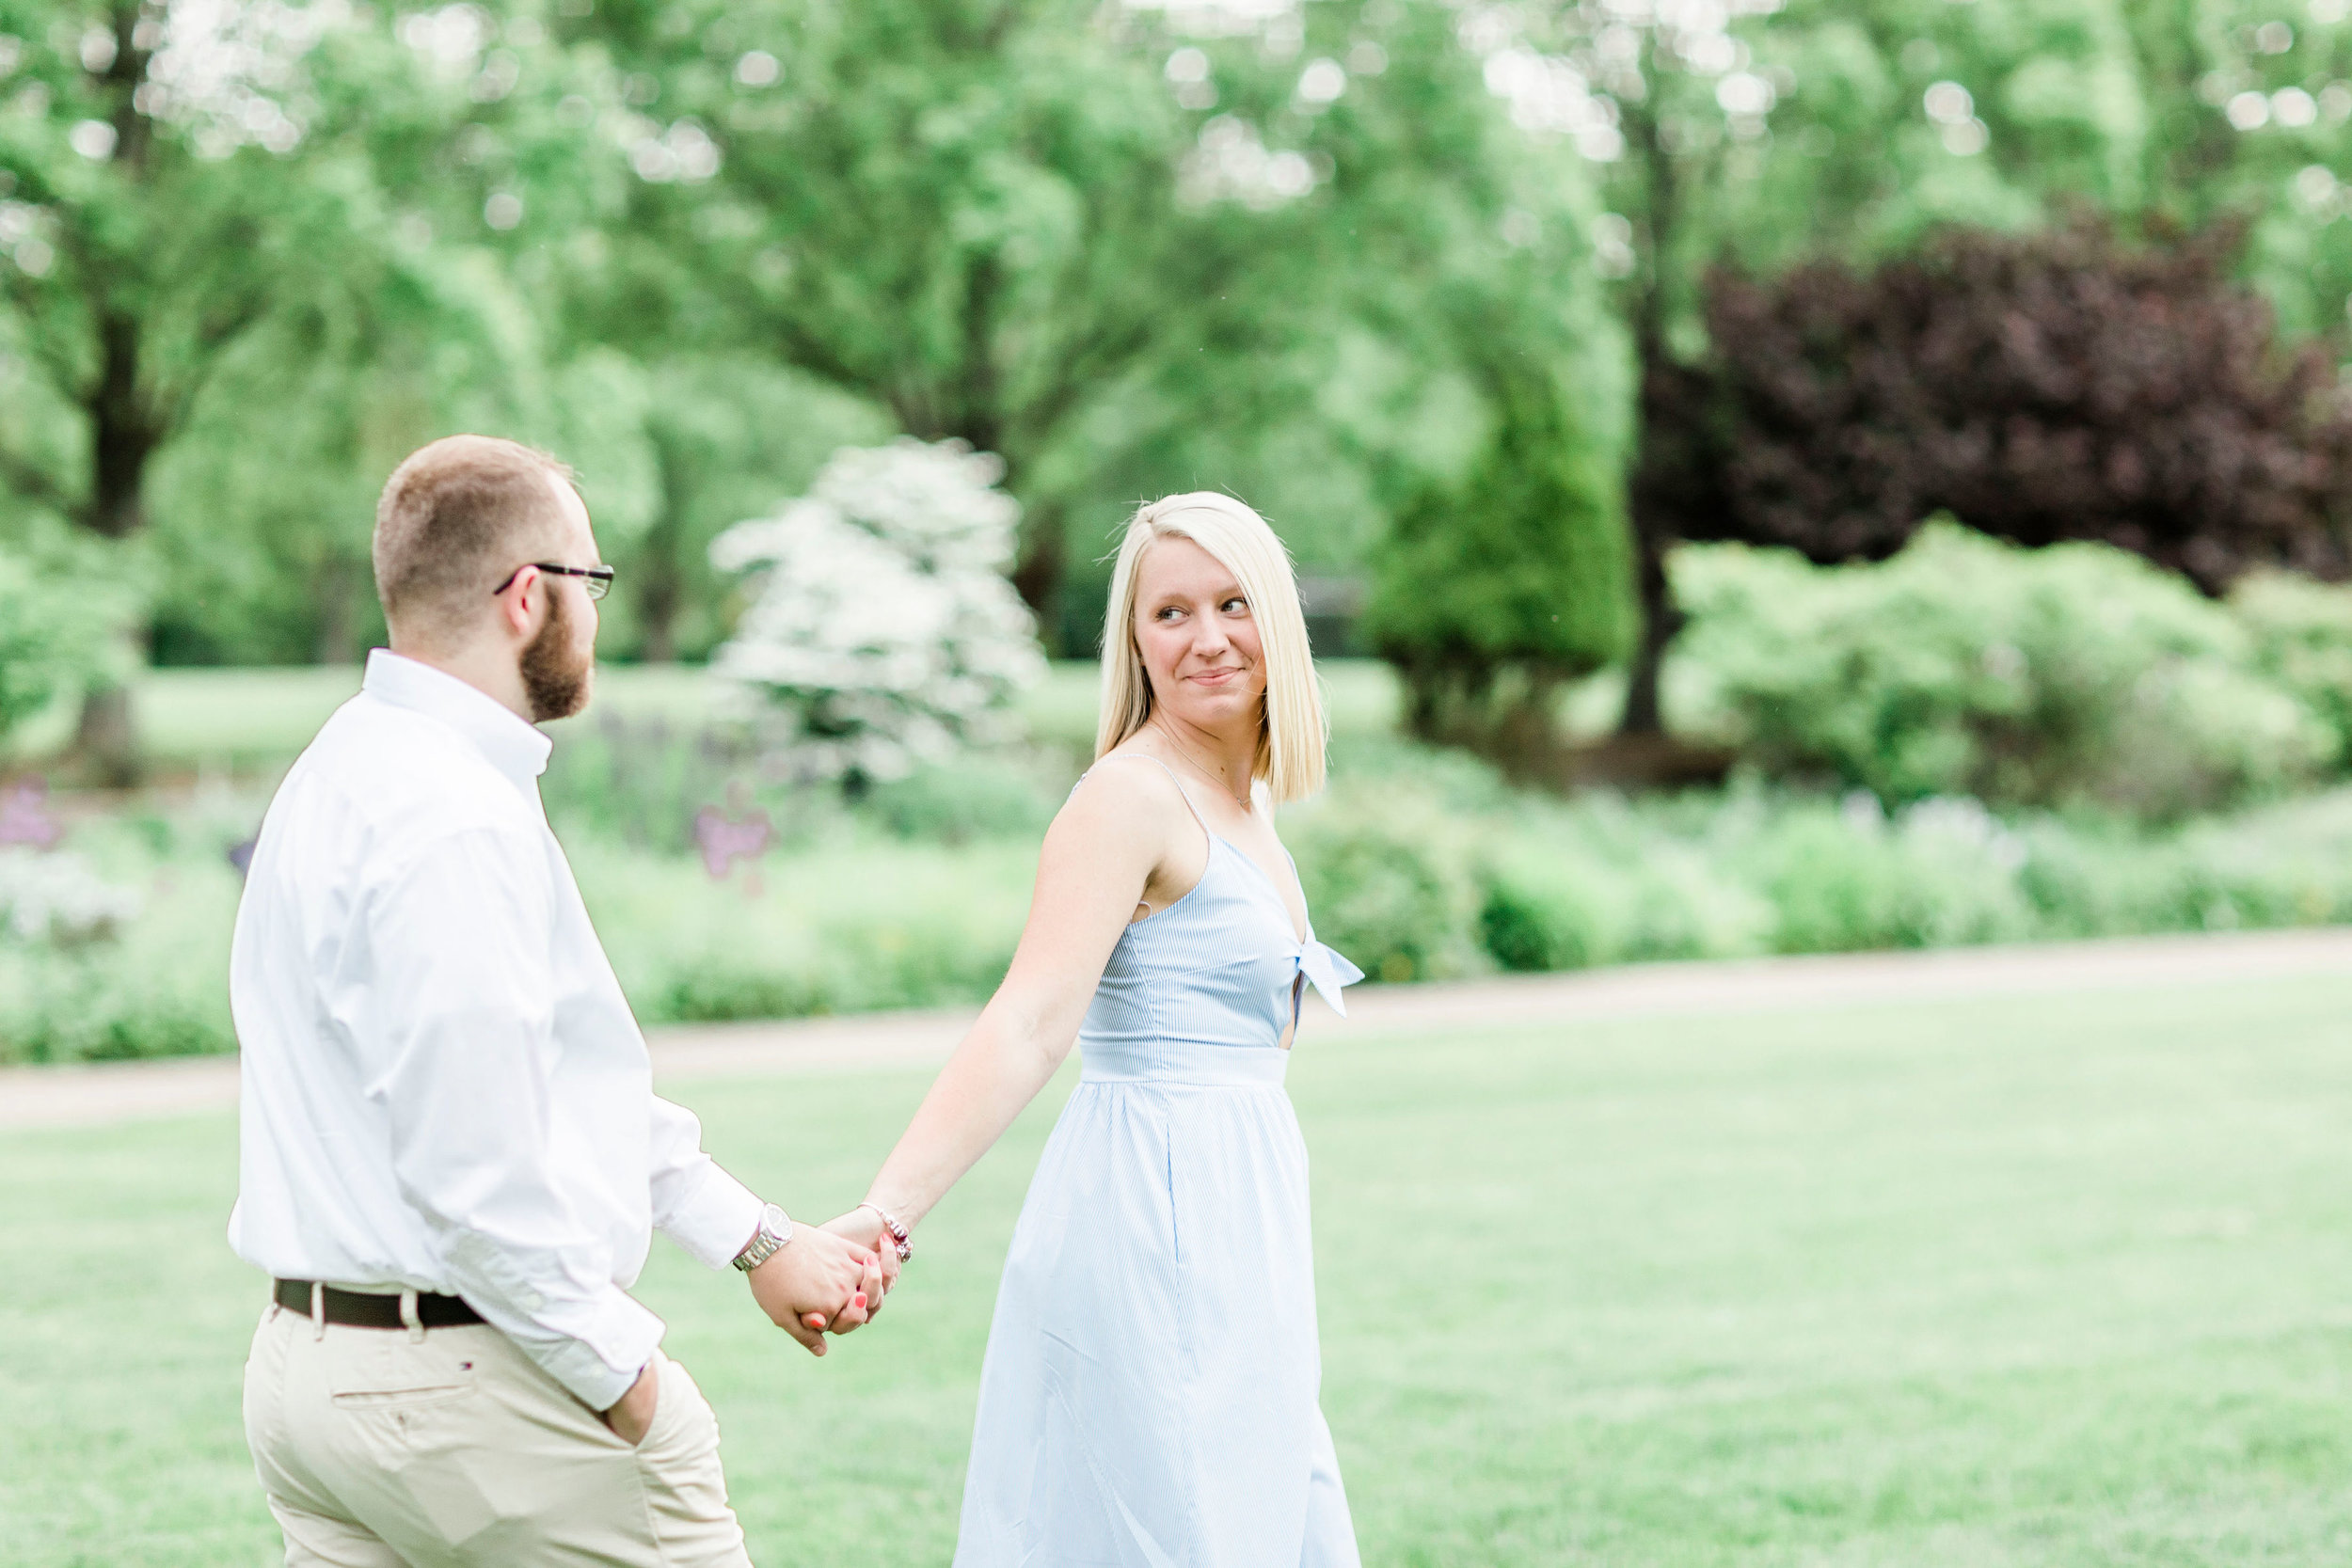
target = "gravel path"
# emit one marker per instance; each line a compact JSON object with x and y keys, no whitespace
{"x":115,"y":1092}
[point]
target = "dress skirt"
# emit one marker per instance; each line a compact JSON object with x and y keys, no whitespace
{"x":1149,"y":1394}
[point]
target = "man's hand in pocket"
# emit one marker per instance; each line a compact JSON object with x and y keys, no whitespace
{"x":633,"y":1417}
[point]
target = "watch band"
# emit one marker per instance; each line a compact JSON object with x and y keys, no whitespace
{"x":775,"y":1230}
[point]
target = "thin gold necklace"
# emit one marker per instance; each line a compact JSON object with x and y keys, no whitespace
{"x":1207,"y":775}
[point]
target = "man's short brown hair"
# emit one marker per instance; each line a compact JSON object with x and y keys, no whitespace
{"x":454,"y":518}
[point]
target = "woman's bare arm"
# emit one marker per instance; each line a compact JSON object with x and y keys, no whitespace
{"x":1102,"y":850}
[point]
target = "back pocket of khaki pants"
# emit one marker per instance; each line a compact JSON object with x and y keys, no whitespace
{"x":370,"y":1370}
{"x":401,"y":1399}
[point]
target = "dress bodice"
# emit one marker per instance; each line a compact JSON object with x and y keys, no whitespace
{"x":1203,"y":990}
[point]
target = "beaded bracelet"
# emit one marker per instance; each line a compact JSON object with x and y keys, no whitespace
{"x":897,"y":1232}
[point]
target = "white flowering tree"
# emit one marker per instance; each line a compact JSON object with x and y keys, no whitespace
{"x":882,"y":633}
{"x":60,"y":898}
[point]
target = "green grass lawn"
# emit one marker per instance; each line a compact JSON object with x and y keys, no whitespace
{"x":2021,"y":1281}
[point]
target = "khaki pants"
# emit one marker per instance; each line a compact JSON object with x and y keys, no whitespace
{"x":384,"y":1449}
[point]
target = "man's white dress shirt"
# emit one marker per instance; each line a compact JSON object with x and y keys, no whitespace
{"x":443,"y":1088}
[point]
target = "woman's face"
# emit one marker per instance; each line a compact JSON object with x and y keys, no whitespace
{"x":1197,"y":637}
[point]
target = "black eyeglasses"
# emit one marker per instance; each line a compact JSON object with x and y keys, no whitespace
{"x":598,"y":580}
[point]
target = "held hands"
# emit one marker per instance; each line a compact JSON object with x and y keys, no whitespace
{"x":863,"y":1226}
{"x":820,"y":1281}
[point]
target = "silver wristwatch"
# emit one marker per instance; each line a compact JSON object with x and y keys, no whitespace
{"x":775,"y":1228}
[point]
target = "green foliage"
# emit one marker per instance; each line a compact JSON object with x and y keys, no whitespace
{"x":1127,"y":258}
{"x":1967,"y":667}
{"x":1599,"y":881}
{"x":852,"y":924}
{"x":643,"y":782}
{"x":2302,"y":643}
{"x":1386,"y":882}
{"x":154,"y":984}
{"x":1943,"y":873}
{"x":695,"y":245}
{"x":640,"y":781}
{"x":1580,"y":890}
{"x":1416,"y":864}
{"x":55,"y":634}
{"x":1493,"y":592}
{"x":731,"y":435}
{"x":983,"y":795}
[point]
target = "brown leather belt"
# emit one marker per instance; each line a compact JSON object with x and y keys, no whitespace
{"x":355,"y":1309}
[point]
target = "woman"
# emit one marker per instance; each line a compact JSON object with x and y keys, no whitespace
{"x":1149,"y":1396}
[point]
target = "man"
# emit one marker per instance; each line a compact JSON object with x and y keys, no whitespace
{"x":451,"y":1156}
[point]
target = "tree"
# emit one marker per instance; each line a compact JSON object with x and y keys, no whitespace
{"x":1130,"y":251}
{"x":1493,"y":592}
{"x":2250,"y":123}
{"x":2057,"y":385}
{"x":961,"y":212}
{"x":1761,"y":134}
{"x":191,"y":191}
{"x":733,"y":435}
{"x":882,"y":633}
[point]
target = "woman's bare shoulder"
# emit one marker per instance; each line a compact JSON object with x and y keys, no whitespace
{"x":1128,"y":793}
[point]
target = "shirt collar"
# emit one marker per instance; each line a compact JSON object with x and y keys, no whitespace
{"x":514,"y":747}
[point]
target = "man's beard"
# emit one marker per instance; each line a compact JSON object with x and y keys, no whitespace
{"x":556,"y":679}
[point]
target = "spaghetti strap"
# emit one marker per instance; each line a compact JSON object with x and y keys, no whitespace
{"x":1146,"y":756}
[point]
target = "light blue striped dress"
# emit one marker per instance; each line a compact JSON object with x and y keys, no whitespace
{"x":1149,"y":1397}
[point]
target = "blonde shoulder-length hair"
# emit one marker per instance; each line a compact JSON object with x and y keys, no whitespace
{"x":1293,"y":731}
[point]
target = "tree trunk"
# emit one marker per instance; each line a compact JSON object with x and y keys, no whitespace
{"x":1660,"y":621}
{"x":124,"y":427}
{"x":337,"y":590}
{"x":105,"y":742}
{"x":657,"y":623}
{"x":1658,"y":477}
{"x":1509,"y":716}
{"x":122,"y":439}
{"x":123,"y":432}
{"x":1040,"y":574}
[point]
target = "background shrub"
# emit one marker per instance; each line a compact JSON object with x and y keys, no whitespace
{"x":2301,"y":635}
{"x":2072,"y":674}
{"x":1386,"y":879}
{"x":54,"y":627}
{"x":1849,"y":877}
{"x":1417,"y":864}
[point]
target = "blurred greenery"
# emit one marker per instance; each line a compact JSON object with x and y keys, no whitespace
{"x":246,"y":719}
{"x":251,"y":255}
{"x":54,"y":627}
{"x":2070,"y":674}
{"x":1417,"y":863}
{"x":1412,"y":276}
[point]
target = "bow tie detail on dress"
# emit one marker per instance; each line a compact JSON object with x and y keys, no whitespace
{"x":1328,"y":970}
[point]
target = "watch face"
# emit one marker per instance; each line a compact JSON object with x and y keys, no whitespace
{"x":772,"y":1221}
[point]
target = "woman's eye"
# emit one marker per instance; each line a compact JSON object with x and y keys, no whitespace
{"x":1231,"y":605}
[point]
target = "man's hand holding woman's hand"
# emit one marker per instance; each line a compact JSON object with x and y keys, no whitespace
{"x":863,"y":1226}
{"x":820,"y":1280}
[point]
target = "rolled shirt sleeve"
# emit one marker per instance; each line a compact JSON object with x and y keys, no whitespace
{"x":696,"y":1204}
{"x":463,"y":1055}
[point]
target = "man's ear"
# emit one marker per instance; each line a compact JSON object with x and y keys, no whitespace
{"x":514,"y":605}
